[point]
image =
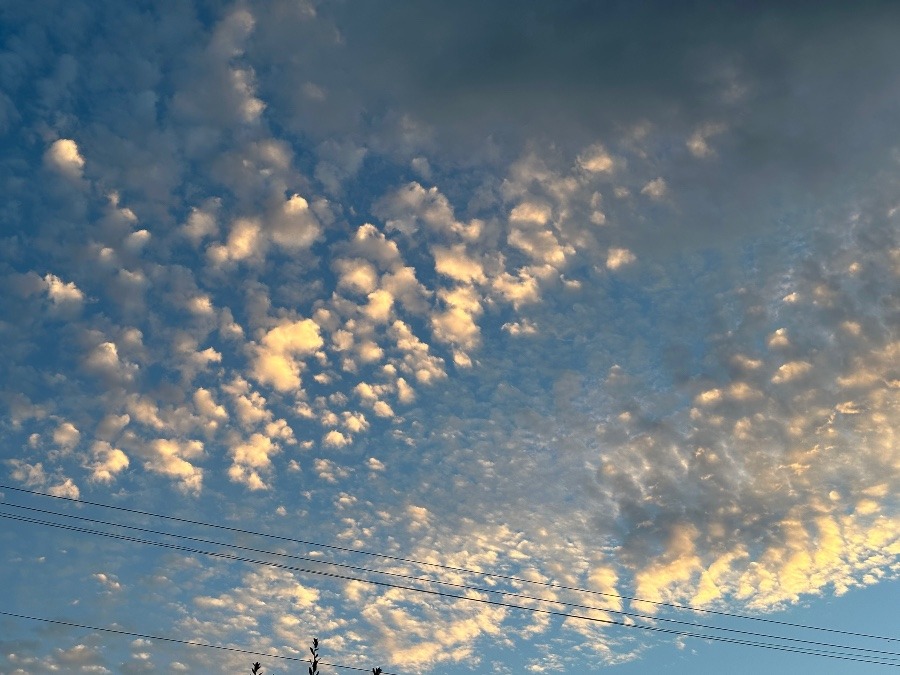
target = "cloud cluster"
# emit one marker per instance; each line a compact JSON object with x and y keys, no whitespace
{"x":475,"y":295}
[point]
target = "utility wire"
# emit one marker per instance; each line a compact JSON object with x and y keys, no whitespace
{"x":468,"y":587}
{"x":858,"y":658}
{"x":189,"y":643}
{"x":451,"y":568}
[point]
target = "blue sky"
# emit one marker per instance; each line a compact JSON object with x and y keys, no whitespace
{"x":601,"y":295}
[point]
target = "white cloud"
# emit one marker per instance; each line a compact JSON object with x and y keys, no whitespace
{"x":698,"y":143}
{"x":61,"y":292}
{"x":172,"y":458}
{"x":617,"y":258}
{"x":202,"y":223}
{"x":329,"y":471}
{"x":66,"y":436}
{"x":64,"y":156}
{"x":417,"y":359}
{"x":207,"y":406}
{"x":27,"y":474}
{"x":413,"y":206}
{"x":655,"y":189}
{"x":245,"y":242}
{"x":596,"y":160}
{"x":455,"y":262}
{"x":356,"y":275}
{"x":336,"y":439}
{"x":108,"y":462}
{"x":67,"y":488}
{"x":791,"y":371}
{"x":294,"y":225}
{"x":276,"y":361}
{"x":250,"y":458}
{"x":456,"y":324}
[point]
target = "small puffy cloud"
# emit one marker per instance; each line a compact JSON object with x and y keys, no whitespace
{"x":596,"y":160}
{"x":64,"y":157}
{"x":531,"y":212}
{"x":698,"y":143}
{"x":66,"y":436}
{"x":517,"y":290}
{"x":413,"y":205}
{"x":375,"y":464}
{"x":338,"y":161}
{"x":108,"y":581}
{"x":111,"y":426}
{"x":791,"y":370}
{"x":329,"y":471}
{"x":617,"y":258}
{"x":104,"y":361}
{"x":202,"y":223}
{"x":107,"y":462}
{"x":28,"y":474}
{"x":655,"y":189}
{"x":405,"y":393}
{"x":379,"y":307}
{"x":66,"y":488}
{"x":249,"y":406}
{"x":244,"y":85}
{"x":171,"y":458}
{"x":249,"y":458}
{"x":668,"y":576}
{"x":135,"y":241}
{"x":368,"y":242}
{"x":336,"y":439}
{"x":418,"y":516}
{"x":369,"y":351}
{"x":402,"y":284}
{"x":532,"y":233}
{"x":207,"y":406}
{"x":456,"y":263}
{"x":245,"y":242}
{"x":779,"y":339}
{"x":457,"y":323}
{"x":200,"y":305}
{"x":294,"y":226}
{"x":524,"y":327}
{"x":417,"y":359}
{"x":421,"y":166}
{"x":62,"y":293}
{"x":382,"y":409}
{"x":355,"y":422}
{"x":276,"y":361}
{"x":355,"y":274}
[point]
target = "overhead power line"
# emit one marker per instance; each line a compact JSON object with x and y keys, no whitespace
{"x":808,"y":651}
{"x":451,"y":568}
{"x":189,"y":643}
{"x":408,"y":577}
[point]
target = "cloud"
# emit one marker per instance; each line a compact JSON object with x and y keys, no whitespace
{"x":276,"y":361}
{"x":245,"y":242}
{"x":172,"y":458}
{"x":669,"y":305}
{"x":63,"y":293}
{"x":294,"y":225}
{"x":66,"y":436}
{"x":108,"y":462}
{"x":456,"y":264}
{"x":64,"y":157}
{"x":250,"y":458}
{"x":619,"y":257}
{"x":655,"y":189}
{"x":336,"y":439}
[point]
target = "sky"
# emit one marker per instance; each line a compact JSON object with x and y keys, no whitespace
{"x":521,"y":295}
